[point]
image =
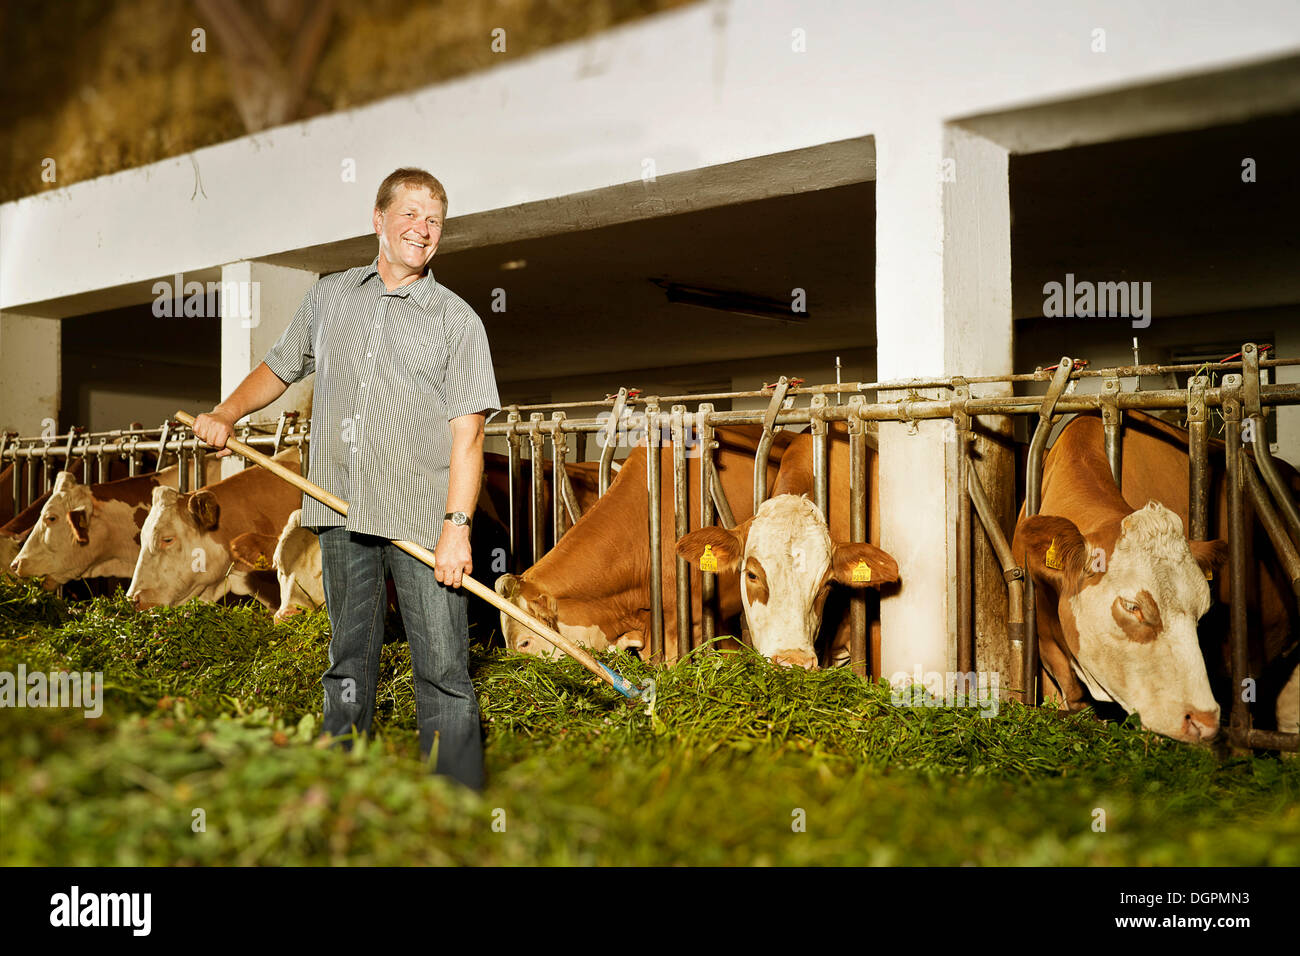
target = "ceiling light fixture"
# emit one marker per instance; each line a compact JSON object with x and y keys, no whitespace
{"x":736,"y":303}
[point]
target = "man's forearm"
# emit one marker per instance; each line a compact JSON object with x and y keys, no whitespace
{"x":260,"y":388}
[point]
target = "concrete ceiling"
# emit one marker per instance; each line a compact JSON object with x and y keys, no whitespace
{"x":588,"y":301}
{"x":1171,"y":210}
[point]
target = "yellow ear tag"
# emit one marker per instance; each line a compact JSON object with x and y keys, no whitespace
{"x":709,"y":560}
{"x":861,"y":573}
{"x":1053,"y":559}
{"x":261,"y":563}
{"x":1209,"y":574}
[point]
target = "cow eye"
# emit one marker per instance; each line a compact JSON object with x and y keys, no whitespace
{"x":1131,"y":607}
{"x":168,"y":540}
{"x":50,"y":519}
{"x":751,"y":575}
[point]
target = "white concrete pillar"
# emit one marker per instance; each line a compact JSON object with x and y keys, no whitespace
{"x":943,"y":306}
{"x":257,"y":303}
{"x":30,"y":373}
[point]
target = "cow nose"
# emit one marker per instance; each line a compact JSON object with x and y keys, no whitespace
{"x":285,"y":613}
{"x":796,"y":658}
{"x":1201,"y":724}
{"x":13,"y":566}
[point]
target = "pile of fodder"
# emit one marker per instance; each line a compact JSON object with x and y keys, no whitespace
{"x":216,"y":709}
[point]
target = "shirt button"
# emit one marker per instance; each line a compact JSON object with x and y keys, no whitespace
{"x":378,"y":326}
{"x":363,"y":384}
{"x":368,"y":354}
{"x":354,"y":449}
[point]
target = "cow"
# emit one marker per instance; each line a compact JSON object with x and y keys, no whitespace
{"x":294,"y":555}
{"x":185,"y":540}
{"x":84,"y":531}
{"x":1122,"y":589}
{"x":593,"y":586}
{"x":789,"y":558}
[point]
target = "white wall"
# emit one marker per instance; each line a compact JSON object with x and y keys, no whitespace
{"x":29,"y":373}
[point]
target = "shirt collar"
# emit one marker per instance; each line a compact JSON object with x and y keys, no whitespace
{"x":421,"y":289}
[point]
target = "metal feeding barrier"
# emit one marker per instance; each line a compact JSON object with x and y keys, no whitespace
{"x":34,"y":462}
{"x":1240,"y":397}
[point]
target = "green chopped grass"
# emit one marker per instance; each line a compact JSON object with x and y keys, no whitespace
{"x":215,"y":709}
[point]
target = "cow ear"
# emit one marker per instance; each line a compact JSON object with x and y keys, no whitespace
{"x":205,"y":510}
{"x":728,"y":547}
{"x":252,"y":551}
{"x":1210,"y":555}
{"x":861,"y":565}
{"x":507,"y":586}
{"x":79,"y":519}
{"x":1053,"y":548}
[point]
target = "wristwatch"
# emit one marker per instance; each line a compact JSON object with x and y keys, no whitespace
{"x":457,"y":517}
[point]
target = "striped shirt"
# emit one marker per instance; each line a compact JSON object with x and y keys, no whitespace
{"x":392,"y":368}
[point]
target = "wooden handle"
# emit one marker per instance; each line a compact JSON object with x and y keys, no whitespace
{"x":422,"y":554}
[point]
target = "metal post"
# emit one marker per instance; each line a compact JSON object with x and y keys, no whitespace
{"x":858,"y":652}
{"x":1110,"y":423}
{"x":1268,"y":516}
{"x":765,"y":442}
{"x":17,"y":480}
{"x":653,"y":440}
{"x":514,"y":471}
{"x":1033,"y":497}
{"x":1198,"y":459}
{"x":681,"y":526}
{"x":31,"y":473}
{"x":821,"y":469}
{"x":133,"y":458}
{"x":963,"y":557}
{"x":610,"y":441}
{"x":1011,"y":572}
{"x":45,"y":468}
{"x":1239,"y":722}
{"x":708,"y":580}
{"x":725,"y":516}
{"x":559,"y":451}
{"x":1263,"y":454}
{"x":538,"y":457}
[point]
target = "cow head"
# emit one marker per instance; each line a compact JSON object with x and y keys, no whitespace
{"x":1129,"y":618}
{"x":59,"y":546}
{"x":180,"y":556}
{"x":788,"y":563}
{"x":530,"y":598}
{"x":296,"y":558}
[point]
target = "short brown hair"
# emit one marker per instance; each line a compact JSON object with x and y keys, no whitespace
{"x":410,"y":177}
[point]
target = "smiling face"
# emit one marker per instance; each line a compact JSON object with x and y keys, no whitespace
{"x":409,"y":231}
{"x":1129,"y":618}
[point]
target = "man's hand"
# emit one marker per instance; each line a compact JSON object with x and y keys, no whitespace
{"x":452,"y":555}
{"x":215,"y":427}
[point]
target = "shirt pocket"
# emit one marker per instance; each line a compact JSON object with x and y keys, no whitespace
{"x":424,"y":362}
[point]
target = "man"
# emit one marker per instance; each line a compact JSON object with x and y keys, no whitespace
{"x":403,"y":384}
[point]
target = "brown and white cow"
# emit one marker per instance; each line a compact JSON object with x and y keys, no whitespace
{"x":84,"y":531}
{"x":185,"y":540}
{"x":295,"y":557}
{"x":1122,"y":587}
{"x":789,"y":559}
{"x":593,"y":586}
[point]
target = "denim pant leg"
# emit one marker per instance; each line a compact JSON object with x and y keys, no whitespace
{"x":437,"y":626}
{"x":352,"y":568}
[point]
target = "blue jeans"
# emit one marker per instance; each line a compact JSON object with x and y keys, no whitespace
{"x":435,"y":618}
